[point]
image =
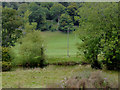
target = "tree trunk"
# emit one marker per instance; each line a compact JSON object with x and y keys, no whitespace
{"x":58,"y":22}
{"x":68,"y":42}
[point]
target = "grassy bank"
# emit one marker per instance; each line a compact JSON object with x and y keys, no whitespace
{"x":38,"y":78}
{"x":56,"y":60}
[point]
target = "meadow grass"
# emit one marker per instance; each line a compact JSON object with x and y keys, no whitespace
{"x":39,"y":78}
{"x":0,"y":80}
{"x":56,"y":46}
{"x":57,"y":43}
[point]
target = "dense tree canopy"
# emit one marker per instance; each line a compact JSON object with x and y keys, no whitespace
{"x":13,"y":5}
{"x":22,"y":9}
{"x":72,"y":10}
{"x":48,"y":5}
{"x":56,"y":10}
{"x":33,"y":6}
{"x":38,"y":16}
{"x":10,"y":22}
{"x":45,"y":11}
{"x":65,"y":23}
{"x":99,"y":33}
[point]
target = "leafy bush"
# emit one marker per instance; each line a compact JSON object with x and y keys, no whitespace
{"x":48,"y":25}
{"x":6,"y":66}
{"x":99,"y":37}
{"x":6,"y":60}
{"x":66,"y":23}
{"x":0,"y":66}
{"x":28,"y":50}
{"x":111,"y":49}
{"x":10,"y":21}
{"x":29,"y":27}
{"x":5,"y":54}
{"x":54,"y":27}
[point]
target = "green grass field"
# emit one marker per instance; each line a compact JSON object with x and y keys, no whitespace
{"x":0,"y":80}
{"x":56,"y":46}
{"x":39,"y":78}
{"x":57,"y":43}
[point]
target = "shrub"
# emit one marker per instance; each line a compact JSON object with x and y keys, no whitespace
{"x":54,"y":27}
{"x":5,"y":54}
{"x":28,"y":50}
{"x":6,"y":60}
{"x":111,"y":49}
{"x":66,"y":23}
{"x":98,"y":36}
{"x":6,"y":66}
{"x":0,"y":66}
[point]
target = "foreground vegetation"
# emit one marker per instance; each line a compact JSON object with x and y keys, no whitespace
{"x":40,"y":78}
{"x":0,"y":80}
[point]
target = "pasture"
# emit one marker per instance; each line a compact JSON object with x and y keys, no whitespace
{"x":57,"y":43}
{"x":56,"y":46}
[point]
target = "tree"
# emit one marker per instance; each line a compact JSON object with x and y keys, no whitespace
{"x":22,"y":9}
{"x":0,"y":27}
{"x":13,"y":5}
{"x":38,"y":16}
{"x":65,"y":3}
{"x":33,"y":6}
{"x":10,"y":22}
{"x":99,"y":33}
{"x":48,"y":5}
{"x":28,"y":28}
{"x":56,"y":10}
{"x":65,"y":23}
{"x":4,"y":4}
{"x":26,"y":16}
{"x":72,"y":10}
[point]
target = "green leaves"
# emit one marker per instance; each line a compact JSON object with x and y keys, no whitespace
{"x":29,"y":28}
{"x":65,"y":23}
{"x":99,"y":31}
{"x":10,"y":23}
{"x":21,"y":54}
{"x":72,"y":9}
{"x":57,"y":9}
{"x":38,"y":16}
